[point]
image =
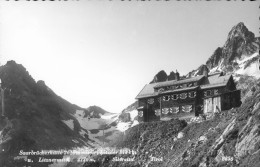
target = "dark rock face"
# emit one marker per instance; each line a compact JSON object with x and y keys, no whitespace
{"x":239,"y":42}
{"x":172,"y":76}
{"x":202,"y":68}
{"x":160,"y":77}
{"x":94,"y":112}
{"x":214,"y":60}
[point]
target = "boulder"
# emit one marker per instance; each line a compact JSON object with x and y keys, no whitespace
{"x":180,"y":135}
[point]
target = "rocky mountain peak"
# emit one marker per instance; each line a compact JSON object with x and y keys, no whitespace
{"x":160,"y":77}
{"x":240,"y":42}
{"x":15,"y":69}
{"x":172,"y":76}
{"x":15,"y":77}
{"x":240,"y":30}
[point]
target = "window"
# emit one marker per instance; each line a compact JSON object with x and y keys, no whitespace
{"x":150,"y":101}
{"x":183,"y":95}
{"x":174,"y":97}
{"x":192,"y":94}
{"x":165,"y":110}
{"x":207,"y":93}
{"x":157,"y":112}
{"x":186,"y":108}
{"x":166,"y":98}
{"x":174,"y":110}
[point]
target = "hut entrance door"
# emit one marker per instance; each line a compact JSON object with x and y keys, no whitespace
{"x":216,"y":104}
{"x":212,"y":105}
{"x":208,"y":105}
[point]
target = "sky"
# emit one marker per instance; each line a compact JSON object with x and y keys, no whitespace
{"x":104,"y":52}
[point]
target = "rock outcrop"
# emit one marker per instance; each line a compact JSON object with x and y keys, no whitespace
{"x":172,"y":76}
{"x":215,"y":59}
{"x":160,"y":77}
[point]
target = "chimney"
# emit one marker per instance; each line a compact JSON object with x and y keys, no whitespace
{"x":205,"y":71}
{"x":177,"y":76}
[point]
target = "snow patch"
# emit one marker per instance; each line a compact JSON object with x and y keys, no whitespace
{"x":217,"y":68}
{"x":251,"y":70}
{"x":110,"y":133}
{"x":79,"y":113}
{"x":123,"y":126}
{"x":110,"y":116}
{"x":85,"y":122}
{"x":69,"y":123}
{"x":133,"y":114}
{"x":93,"y":123}
{"x":247,"y":58}
{"x":98,"y":124}
{"x":135,"y":123}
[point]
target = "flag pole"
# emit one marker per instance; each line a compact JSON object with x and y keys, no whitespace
{"x":2,"y":101}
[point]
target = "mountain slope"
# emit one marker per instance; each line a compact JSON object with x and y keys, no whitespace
{"x":104,"y":128}
{"x":35,"y":116}
{"x":38,"y":119}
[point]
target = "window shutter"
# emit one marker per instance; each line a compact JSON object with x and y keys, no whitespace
{"x":165,"y":110}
